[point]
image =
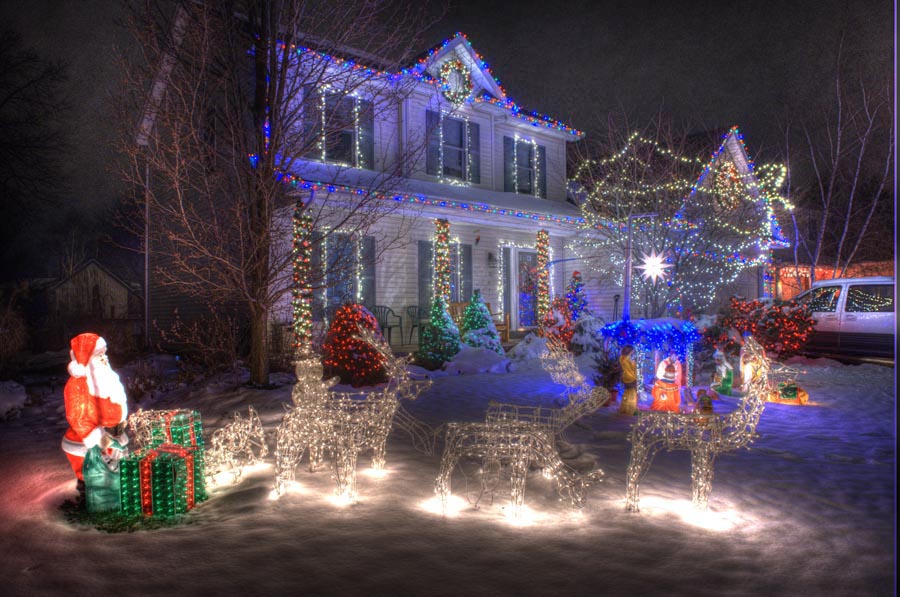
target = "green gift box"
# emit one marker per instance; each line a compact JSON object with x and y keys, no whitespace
{"x":181,"y":427}
{"x":164,"y":480}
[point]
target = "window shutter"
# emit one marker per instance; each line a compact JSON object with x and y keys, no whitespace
{"x":366,"y":134}
{"x":433,"y":149}
{"x":318,"y":276}
{"x":473,"y":132}
{"x":425,"y":277}
{"x":312,"y":124}
{"x":509,"y":151}
{"x":507,"y":279}
{"x":466,"y":277}
{"x":368,"y":271}
{"x":542,"y":171}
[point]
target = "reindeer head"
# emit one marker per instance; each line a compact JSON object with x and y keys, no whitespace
{"x":573,"y":486}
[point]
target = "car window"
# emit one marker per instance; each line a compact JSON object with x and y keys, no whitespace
{"x":822,"y":299}
{"x":870,"y":298}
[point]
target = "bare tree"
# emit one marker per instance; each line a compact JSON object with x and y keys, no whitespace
{"x":848,"y":148}
{"x":33,"y":108}
{"x":709,"y":228}
{"x":234,"y":97}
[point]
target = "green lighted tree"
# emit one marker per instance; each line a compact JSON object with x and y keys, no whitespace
{"x":478,"y":329}
{"x":440,"y":338}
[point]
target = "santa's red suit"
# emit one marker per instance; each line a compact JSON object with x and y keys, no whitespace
{"x":95,"y":401}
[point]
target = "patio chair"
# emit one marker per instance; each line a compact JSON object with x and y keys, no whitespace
{"x":413,"y":314}
{"x":388,"y":320}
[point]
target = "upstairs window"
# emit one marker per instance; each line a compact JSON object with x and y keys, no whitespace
{"x":524,"y":167}
{"x":341,"y":128}
{"x":453,"y":148}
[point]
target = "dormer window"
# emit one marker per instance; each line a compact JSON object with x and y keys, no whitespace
{"x":524,"y":167}
{"x":453,"y":149}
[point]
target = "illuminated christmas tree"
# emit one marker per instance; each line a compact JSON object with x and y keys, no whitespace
{"x":575,"y":297}
{"x":345,"y":355}
{"x":558,"y":321}
{"x":708,"y":220}
{"x":440,"y":337}
{"x":782,"y":328}
{"x":477,"y":327}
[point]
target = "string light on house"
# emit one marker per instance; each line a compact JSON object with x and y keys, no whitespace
{"x":301,"y":291}
{"x":442,"y":264}
{"x":543,"y":274}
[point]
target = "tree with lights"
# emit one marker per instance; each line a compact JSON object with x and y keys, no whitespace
{"x":440,"y":338}
{"x":575,"y":297}
{"x":782,"y":328}
{"x":347,"y":356}
{"x":230,"y":104}
{"x":478,"y":328}
{"x":696,"y":223}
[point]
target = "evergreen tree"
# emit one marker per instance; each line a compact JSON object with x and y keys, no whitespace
{"x":575,"y":296}
{"x":478,"y":328}
{"x":345,"y":355}
{"x":440,"y":338}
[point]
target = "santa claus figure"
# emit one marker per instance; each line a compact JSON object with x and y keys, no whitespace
{"x":666,"y":390}
{"x":96,"y":406}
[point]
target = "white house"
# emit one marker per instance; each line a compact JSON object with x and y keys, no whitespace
{"x":496,"y":173}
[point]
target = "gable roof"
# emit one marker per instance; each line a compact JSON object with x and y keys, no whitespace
{"x":487,"y":89}
{"x":733,"y":149}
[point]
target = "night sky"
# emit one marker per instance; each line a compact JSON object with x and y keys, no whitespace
{"x":705,"y":64}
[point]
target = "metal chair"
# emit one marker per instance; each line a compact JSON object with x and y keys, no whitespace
{"x":413,"y":313}
{"x":383,"y":315}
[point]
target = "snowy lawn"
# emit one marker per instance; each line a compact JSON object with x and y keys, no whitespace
{"x":808,"y":510}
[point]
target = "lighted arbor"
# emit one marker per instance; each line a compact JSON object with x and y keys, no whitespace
{"x":711,"y":219}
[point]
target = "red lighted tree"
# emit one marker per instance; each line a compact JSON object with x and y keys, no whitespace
{"x":558,"y":321}
{"x":345,"y":355}
{"x":782,"y":328}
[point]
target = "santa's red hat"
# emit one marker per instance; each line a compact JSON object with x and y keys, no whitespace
{"x":84,"y":346}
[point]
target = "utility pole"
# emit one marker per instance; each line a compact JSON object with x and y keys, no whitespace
{"x":626,"y":304}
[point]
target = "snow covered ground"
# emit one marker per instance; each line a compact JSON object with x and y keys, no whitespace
{"x":808,"y":510}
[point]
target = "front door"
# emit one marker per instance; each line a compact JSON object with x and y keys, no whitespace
{"x":520,"y":269}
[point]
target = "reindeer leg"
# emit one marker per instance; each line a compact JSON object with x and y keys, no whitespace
{"x":345,"y":471}
{"x":518,"y":476}
{"x":442,"y":483}
{"x":702,"y":459}
{"x":641,"y":456}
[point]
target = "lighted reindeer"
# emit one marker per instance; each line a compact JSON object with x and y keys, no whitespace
{"x":342,"y":424}
{"x":704,"y":435}
{"x":582,"y":398}
{"x":518,"y":446}
{"x":236,"y":444}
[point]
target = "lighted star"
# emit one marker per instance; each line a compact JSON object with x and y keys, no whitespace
{"x":654,"y":266}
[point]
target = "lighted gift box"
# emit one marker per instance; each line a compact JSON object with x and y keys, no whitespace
{"x":164,"y":480}
{"x":181,"y":427}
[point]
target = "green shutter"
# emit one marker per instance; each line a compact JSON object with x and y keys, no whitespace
{"x":473,"y":134}
{"x":509,"y":150}
{"x":368,"y":271}
{"x":366,"y":134}
{"x":433,"y":149}
{"x":542,"y":171}
{"x":426,"y":274}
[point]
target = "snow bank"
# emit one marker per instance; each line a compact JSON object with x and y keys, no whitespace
{"x":12,"y":399}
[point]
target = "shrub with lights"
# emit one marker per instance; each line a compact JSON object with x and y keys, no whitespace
{"x":575,"y":297}
{"x":558,"y":321}
{"x":440,"y":338}
{"x":345,"y":355}
{"x":782,"y":328}
{"x":478,"y":329}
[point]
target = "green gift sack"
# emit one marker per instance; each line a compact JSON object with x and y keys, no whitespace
{"x":102,"y":486}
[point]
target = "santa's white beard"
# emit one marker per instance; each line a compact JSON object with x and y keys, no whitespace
{"x":103,"y":382}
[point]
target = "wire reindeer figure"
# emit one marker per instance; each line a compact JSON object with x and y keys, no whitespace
{"x":704,"y":435}
{"x":235,"y":445}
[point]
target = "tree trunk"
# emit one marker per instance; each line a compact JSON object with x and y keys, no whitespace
{"x":259,"y":346}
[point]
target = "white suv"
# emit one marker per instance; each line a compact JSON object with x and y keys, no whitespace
{"x":854,"y":316}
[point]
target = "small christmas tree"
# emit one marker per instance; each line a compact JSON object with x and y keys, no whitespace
{"x":440,"y":338}
{"x":345,"y":355}
{"x":575,"y":296}
{"x":478,"y":329}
